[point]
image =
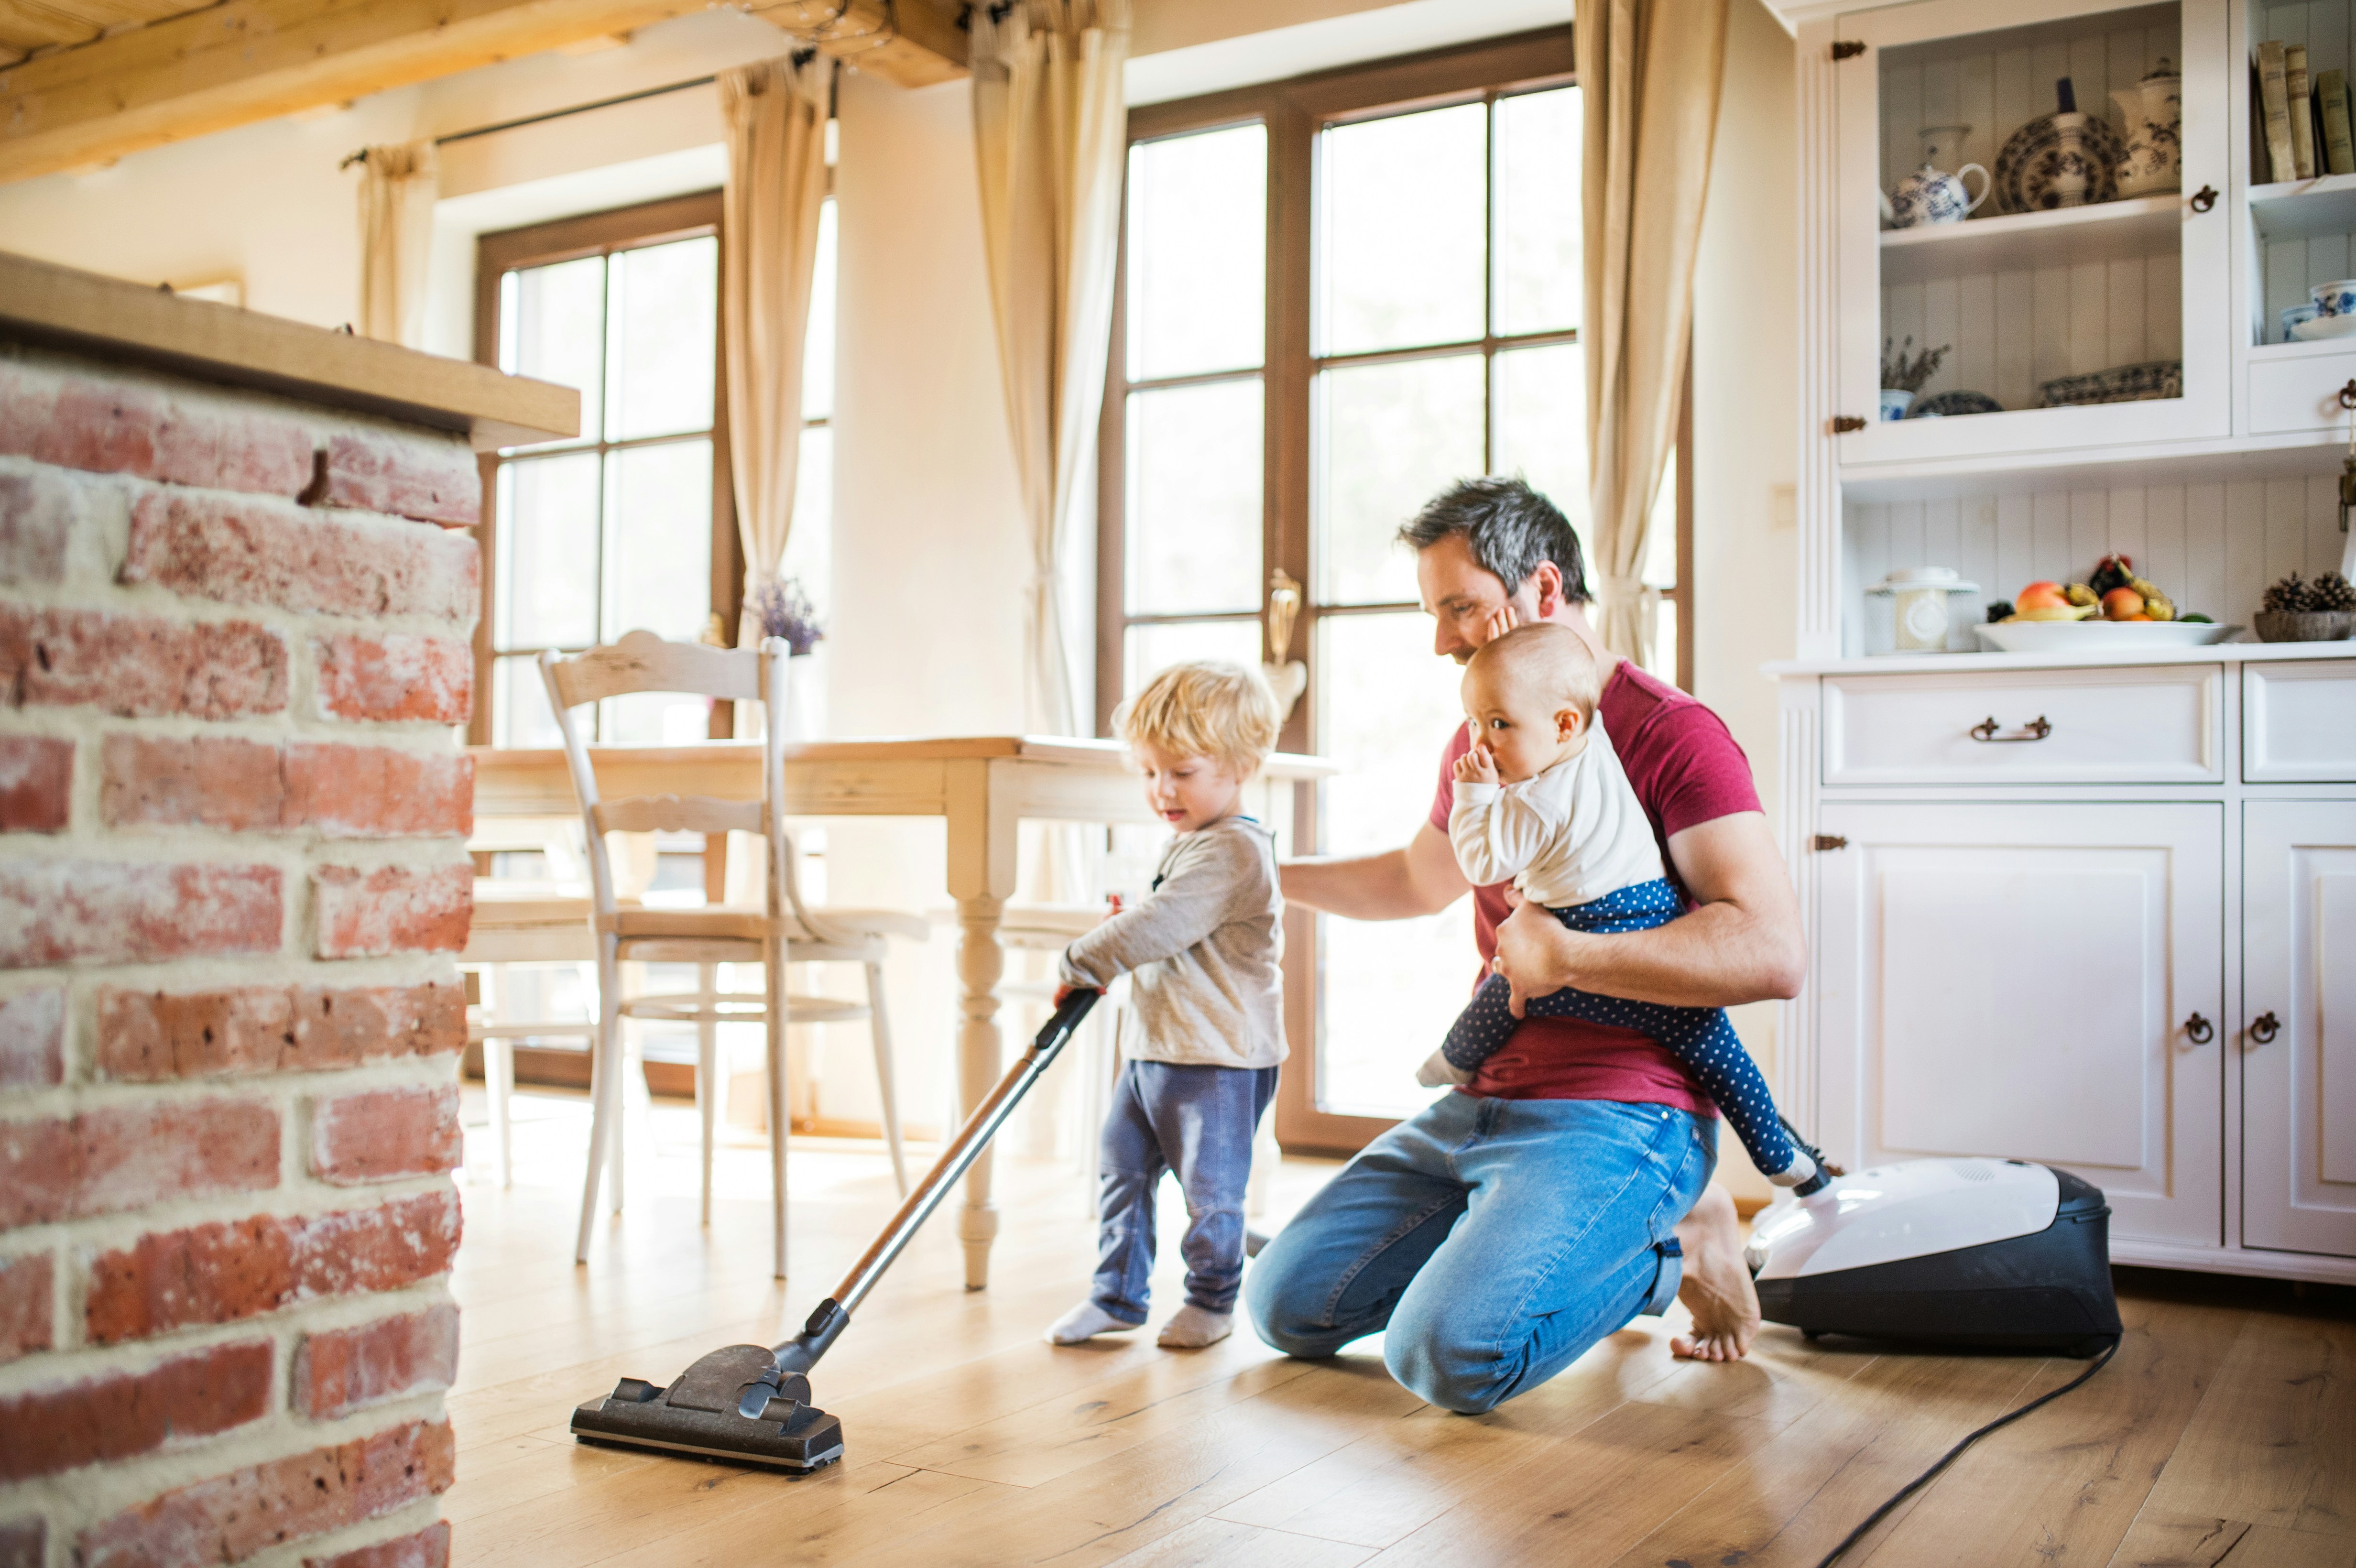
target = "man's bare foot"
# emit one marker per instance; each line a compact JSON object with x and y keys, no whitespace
{"x":1717,"y":1285}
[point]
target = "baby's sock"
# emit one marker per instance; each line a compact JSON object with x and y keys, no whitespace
{"x":1191,"y":1327}
{"x":1799,"y":1171}
{"x":1085,"y":1322}
{"x":1437,"y":1070}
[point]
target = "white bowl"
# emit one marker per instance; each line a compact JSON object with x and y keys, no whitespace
{"x":2083,"y":636}
{"x":2324,"y":326}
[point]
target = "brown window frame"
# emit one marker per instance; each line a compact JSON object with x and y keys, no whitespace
{"x":566,"y":240}
{"x":1294,"y":112}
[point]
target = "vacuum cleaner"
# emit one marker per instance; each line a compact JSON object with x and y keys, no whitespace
{"x":750,"y":1403}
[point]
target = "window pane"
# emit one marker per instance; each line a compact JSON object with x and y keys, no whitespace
{"x":1404,"y":202}
{"x":1157,"y":647}
{"x":522,"y":717}
{"x":1663,"y":658}
{"x":1661,"y":533}
{"x":654,"y":719}
{"x":666,"y":303}
{"x":555,"y":329}
{"x":1195,"y":489}
{"x":810,"y":547}
{"x":1386,"y":707}
{"x":548,"y":553}
{"x":1390,"y":436}
{"x":818,"y":342}
{"x":1197,"y":252}
{"x":1540,"y":427}
{"x":1538,"y":240}
{"x":658,"y":539}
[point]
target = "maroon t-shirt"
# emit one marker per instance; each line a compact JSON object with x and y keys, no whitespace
{"x":1685,"y":769}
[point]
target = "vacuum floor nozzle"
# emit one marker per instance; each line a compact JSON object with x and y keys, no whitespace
{"x":735,"y":1403}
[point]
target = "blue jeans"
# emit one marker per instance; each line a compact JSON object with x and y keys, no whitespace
{"x":1490,"y":1241}
{"x":1198,"y":1122}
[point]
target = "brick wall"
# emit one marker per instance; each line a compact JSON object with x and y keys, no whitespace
{"x":233,"y":634}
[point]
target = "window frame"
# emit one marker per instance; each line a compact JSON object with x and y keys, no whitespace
{"x":603,"y":233}
{"x":1294,"y":112}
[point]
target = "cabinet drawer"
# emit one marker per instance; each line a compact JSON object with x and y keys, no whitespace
{"x":2299,"y":394}
{"x":2112,"y":726}
{"x":2298,"y":722}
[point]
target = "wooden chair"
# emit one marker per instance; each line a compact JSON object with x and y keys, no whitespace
{"x":782,"y":931}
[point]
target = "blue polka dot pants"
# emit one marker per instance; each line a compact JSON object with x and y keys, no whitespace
{"x":1701,"y":1038}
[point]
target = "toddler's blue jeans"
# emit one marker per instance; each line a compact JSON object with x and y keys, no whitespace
{"x":1198,"y":1122}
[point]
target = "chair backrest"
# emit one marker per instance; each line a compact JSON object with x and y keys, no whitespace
{"x":640,"y":662}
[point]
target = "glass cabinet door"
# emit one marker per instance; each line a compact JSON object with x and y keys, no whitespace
{"x":2020,"y":267}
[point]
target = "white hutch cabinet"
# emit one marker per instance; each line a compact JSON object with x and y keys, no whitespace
{"x":2093,"y":908}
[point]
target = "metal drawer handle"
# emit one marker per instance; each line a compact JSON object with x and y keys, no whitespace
{"x":2204,"y":199}
{"x":2264,"y":1028}
{"x":2036,"y":728}
{"x":2199,"y":1030}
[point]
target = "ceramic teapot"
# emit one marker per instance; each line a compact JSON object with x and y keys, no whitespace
{"x":1927,"y":195}
{"x":2153,"y":114}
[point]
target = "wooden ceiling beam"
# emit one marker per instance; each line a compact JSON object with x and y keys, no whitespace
{"x":239,"y":61}
{"x":908,"y":43}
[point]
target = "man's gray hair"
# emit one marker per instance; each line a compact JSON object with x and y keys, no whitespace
{"x":1508,"y":527}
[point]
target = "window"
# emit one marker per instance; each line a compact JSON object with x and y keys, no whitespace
{"x":1337,"y":295}
{"x":632,"y":524}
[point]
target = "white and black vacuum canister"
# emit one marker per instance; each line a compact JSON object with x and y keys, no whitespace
{"x":1998,"y":1253}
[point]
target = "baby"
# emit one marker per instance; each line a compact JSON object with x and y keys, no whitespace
{"x":1205,"y":1024}
{"x":1541,"y":799}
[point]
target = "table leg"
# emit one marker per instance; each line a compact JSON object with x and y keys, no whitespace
{"x":980,"y":1055}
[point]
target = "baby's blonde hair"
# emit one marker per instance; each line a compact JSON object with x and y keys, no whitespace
{"x":1205,"y":708}
{"x":1545,"y":657}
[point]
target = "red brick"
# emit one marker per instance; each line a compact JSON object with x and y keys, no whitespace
{"x":139,"y":665}
{"x":36,"y":784}
{"x":115,"y":1416}
{"x":346,"y":791}
{"x":25,"y":1542}
{"x":343,"y":1370}
{"x":249,"y":551}
{"x":432,"y":477}
{"x":376,"y":791}
{"x":393,"y":908}
{"x":224,"y":1272}
{"x":207,"y":780}
{"x":385,"y":1132}
{"x":429,"y":1548}
{"x":119,"y":911}
{"x":395,"y":677}
{"x":102,"y":424}
{"x":27,"y":1310}
{"x":228,"y":1518}
{"x":33,"y":1039}
{"x":152,"y":1036}
{"x":108,"y":1161}
{"x":37,"y":514}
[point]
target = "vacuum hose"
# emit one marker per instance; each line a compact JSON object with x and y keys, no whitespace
{"x":826,"y":1324}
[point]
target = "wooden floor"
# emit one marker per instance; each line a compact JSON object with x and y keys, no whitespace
{"x":2223,"y":1433}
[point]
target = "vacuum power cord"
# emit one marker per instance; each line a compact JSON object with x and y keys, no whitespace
{"x":1911,"y":1487}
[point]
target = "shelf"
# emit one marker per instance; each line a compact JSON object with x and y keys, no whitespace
{"x":2296,"y":209}
{"x":2212,"y":460}
{"x":2115,"y":230}
{"x":2319,"y":349}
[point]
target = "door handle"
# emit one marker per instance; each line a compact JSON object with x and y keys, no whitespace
{"x":2036,"y":728}
{"x":2264,"y":1028}
{"x":1283,"y":608}
{"x":2199,"y":1030}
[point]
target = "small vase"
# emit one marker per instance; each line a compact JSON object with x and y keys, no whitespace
{"x":1895,"y":401}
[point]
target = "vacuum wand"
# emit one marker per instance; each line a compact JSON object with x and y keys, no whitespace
{"x":827,"y":1322}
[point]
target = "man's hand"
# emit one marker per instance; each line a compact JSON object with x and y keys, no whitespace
{"x":1531,"y":946}
{"x":1503,"y":619}
{"x":1476,"y":766}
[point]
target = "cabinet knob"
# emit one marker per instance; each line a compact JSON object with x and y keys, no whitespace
{"x":2036,"y":728}
{"x":2199,"y":1030}
{"x":2264,"y":1028}
{"x":2204,"y":199}
{"x":1843,"y":424}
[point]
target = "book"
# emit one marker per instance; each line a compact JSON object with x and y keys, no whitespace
{"x":2274,"y":92}
{"x":2338,"y":147}
{"x":2298,"y":90}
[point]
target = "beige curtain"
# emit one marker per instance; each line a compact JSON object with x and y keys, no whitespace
{"x":1050,"y":136}
{"x":776,"y":116}
{"x":1649,"y":71}
{"x":398,"y":186}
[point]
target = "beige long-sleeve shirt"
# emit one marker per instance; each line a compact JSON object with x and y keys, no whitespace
{"x":1202,"y":953}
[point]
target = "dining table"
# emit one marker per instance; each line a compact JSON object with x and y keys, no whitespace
{"x":982,"y":786}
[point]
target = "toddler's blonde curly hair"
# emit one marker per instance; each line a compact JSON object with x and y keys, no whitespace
{"x":1205,"y":708}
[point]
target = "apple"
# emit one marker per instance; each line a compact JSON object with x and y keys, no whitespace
{"x":2041,"y":596}
{"x":2123,"y":604}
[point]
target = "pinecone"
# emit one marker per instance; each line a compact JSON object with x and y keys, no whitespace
{"x":2331,"y":592}
{"x":2288,"y":596}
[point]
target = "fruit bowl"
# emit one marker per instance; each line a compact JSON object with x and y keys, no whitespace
{"x":2046,"y":637}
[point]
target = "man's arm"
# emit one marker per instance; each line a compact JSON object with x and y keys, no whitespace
{"x":1742,"y":944}
{"x":1422,"y":879}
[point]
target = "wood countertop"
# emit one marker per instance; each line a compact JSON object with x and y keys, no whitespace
{"x":85,"y":313}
